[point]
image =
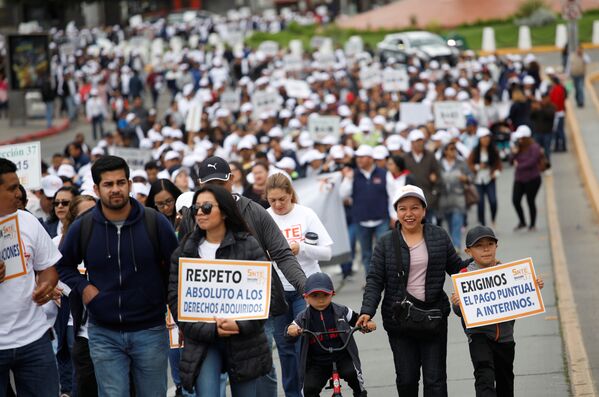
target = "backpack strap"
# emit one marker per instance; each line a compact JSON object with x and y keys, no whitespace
{"x":401,"y":273}
{"x":85,"y":233}
{"x":151,"y":221}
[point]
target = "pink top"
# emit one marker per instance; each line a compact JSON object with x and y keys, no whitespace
{"x":417,"y":275}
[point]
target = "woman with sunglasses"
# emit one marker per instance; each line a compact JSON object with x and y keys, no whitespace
{"x":162,"y":197}
{"x":240,"y":347}
{"x":60,"y":206}
{"x":309,"y":242}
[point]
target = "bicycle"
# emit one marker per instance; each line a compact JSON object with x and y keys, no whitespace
{"x":335,"y":380}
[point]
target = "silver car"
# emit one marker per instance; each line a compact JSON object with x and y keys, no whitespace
{"x":424,"y":45}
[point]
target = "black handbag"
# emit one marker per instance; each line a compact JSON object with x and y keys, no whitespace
{"x":415,"y":318}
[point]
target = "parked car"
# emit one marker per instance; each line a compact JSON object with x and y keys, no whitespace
{"x":424,"y":45}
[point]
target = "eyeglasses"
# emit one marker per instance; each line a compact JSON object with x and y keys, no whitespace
{"x":165,"y":203}
{"x":64,"y":203}
{"x":206,"y":208}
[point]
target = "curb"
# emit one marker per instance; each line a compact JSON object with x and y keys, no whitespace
{"x":33,"y":136}
{"x":534,"y":50}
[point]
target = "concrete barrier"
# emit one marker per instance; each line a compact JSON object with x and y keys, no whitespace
{"x":524,"y":40}
{"x":488,"y":43}
{"x":561,"y":35}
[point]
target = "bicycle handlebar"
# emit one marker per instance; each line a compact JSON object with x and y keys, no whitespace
{"x":332,"y":349}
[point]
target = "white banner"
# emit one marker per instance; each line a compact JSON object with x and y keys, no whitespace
{"x":498,"y":293}
{"x":265,"y":102}
{"x":449,"y":114}
{"x":322,"y":126}
{"x":233,"y":289}
{"x":27,"y":157}
{"x":269,"y":48}
{"x":135,"y":158}
{"x":414,"y":113}
{"x":297,"y":89}
{"x":395,"y":80}
{"x":293,"y":63}
{"x":231,"y":99}
{"x":371,"y":76}
{"x":321,"y":193}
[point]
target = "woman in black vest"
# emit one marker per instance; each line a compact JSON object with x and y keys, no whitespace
{"x":427,"y":253}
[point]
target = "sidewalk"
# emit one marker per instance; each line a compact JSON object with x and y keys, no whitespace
{"x":35,"y":129}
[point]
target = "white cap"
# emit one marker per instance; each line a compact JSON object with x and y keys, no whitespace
{"x":337,"y":152}
{"x":187,"y":89}
{"x":330,"y":99}
{"x":482,"y":132}
{"x":138,"y":174}
{"x":450,"y":92}
{"x":394,"y":142}
{"x":379,"y":119}
{"x":294,"y":124}
{"x":66,"y":170}
{"x":50,"y":185}
{"x":523,"y":131}
{"x":312,"y":155}
{"x":246,"y":107}
{"x":97,"y":151}
{"x":184,"y":200}
{"x":222,"y":112}
{"x":380,"y":153}
{"x":130,"y":117}
{"x":344,"y":111}
{"x":285,"y":114}
{"x":528,"y":80}
{"x":275,"y":132}
{"x":364,"y":151}
{"x":462,"y":96}
{"x":245,"y":144}
{"x":400,"y":126}
{"x":286,"y":163}
{"x":415,"y":135}
{"x":409,"y":191}
{"x":550,"y":71}
{"x":366,"y":124}
{"x":171,"y":155}
{"x":141,"y":188}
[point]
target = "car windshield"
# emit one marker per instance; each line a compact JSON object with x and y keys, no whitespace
{"x":426,"y":40}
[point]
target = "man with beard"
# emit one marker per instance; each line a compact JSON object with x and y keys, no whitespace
{"x":124,"y":291}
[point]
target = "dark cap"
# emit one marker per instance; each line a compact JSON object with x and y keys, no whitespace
{"x":214,"y":168}
{"x":319,"y":282}
{"x":477,"y":233}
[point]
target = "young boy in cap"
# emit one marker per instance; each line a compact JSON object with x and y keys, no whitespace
{"x":491,"y":346}
{"x":316,"y":364}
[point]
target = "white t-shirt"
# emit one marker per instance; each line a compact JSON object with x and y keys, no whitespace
{"x":23,"y":321}
{"x":294,"y":226}
{"x":207,"y":250}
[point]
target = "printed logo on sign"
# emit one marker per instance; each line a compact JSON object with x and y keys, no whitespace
{"x":521,"y":274}
{"x":7,"y":231}
{"x":255,"y":276}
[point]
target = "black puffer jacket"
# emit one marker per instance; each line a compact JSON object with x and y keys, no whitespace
{"x":383,"y":275}
{"x":248,"y":353}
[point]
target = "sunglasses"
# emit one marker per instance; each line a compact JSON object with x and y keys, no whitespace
{"x":206,"y":208}
{"x":64,"y":203}
{"x":165,"y":203}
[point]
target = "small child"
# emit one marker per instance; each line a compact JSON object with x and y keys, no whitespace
{"x":491,"y":346}
{"x":316,"y":365}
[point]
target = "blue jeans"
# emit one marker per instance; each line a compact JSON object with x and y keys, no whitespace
{"x":71,"y":107}
{"x":579,"y":89}
{"x":115,"y":355}
{"x":267,"y":385}
{"x":289,"y":353}
{"x":34,"y":369}
{"x":365,"y":236}
{"x":208,"y":381}
{"x":346,"y":268}
{"x":544,"y":140}
{"x":490,"y":191}
{"x":98,"y":126}
{"x":455,"y":221}
{"x":411,"y":354}
{"x":174,"y":357}
{"x":560,"y":135}
{"x":49,"y":113}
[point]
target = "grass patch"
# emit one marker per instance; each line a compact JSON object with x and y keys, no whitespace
{"x":506,"y":33}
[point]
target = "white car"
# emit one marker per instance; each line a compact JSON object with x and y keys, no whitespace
{"x":424,"y":45}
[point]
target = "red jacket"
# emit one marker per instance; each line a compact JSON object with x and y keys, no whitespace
{"x":558,"y":97}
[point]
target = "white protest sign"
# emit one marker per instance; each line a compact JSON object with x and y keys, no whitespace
{"x":371,"y":76}
{"x":157,"y":47}
{"x":135,"y":158}
{"x":414,"y":113}
{"x":322,"y":126}
{"x":136,"y":21}
{"x":395,"y":80}
{"x":326,"y":60}
{"x":499,"y":293}
{"x":297,"y":89}
{"x":11,"y":248}
{"x":67,"y":49}
{"x":193,"y":120}
{"x":231,"y":100}
{"x":234,"y":289}
{"x":449,"y":114}
{"x":354,"y":46}
{"x":265,"y":102}
{"x":296,"y":47}
{"x":27,"y":158}
{"x":269,"y":48}
{"x":293,"y":63}
{"x":316,"y":42}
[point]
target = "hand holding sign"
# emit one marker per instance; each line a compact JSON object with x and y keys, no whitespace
{"x":226,"y":327}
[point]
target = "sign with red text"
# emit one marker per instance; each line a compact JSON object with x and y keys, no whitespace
{"x":11,"y":248}
{"x":498,"y":293}
{"x":227,"y":289}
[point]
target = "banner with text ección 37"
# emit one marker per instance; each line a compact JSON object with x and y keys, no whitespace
{"x":498,"y":293}
{"x":228,"y":289}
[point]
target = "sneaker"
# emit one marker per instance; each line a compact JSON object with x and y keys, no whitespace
{"x":519,"y":227}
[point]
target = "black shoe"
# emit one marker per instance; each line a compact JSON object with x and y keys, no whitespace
{"x":179,"y":391}
{"x":519,"y":227}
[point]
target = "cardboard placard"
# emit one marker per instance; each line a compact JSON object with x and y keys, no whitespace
{"x":498,"y":293}
{"x":11,"y":248}
{"x":265,"y":102}
{"x":395,"y":80}
{"x":136,"y":158}
{"x":229,"y":289}
{"x":414,"y":113}
{"x":326,"y":60}
{"x":371,"y":76}
{"x":322,"y":126}
{"x":293,"y":63}
{"x":231,"y":100}
{"x":27,"y":158}
{"x":449,"y":114}
{"x":297,"y":89}
{"x":173,"y":333}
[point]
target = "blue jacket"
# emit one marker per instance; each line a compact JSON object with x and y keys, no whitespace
{"x":370,"y":199}
{"x":129,"y":272}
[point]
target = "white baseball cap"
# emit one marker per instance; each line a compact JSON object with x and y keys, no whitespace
{"x":50,"y":185}
{"x":364,"y":151}
{"x":415,"y":135}
{"x":380,"y":153}
{"x":482,"y":132}
{"x":523,"y":131}
{"x":409,"y":191}
{"x":66,"y":170}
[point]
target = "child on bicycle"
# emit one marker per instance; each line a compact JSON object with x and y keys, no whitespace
{"x":491,"y":346}
{"x":323,"y":315}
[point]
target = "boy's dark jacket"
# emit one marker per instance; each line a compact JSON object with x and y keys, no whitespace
{"x":341,"y":313}
{"x":500,"y":332}
{"x":124,"y":268}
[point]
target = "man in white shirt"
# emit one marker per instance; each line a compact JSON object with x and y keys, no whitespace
{"x":27,"y":281}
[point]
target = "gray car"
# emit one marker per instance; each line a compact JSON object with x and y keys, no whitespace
{"x":424,"y":45}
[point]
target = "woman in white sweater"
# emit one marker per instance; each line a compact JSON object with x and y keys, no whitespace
{"x":310,"y":242}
